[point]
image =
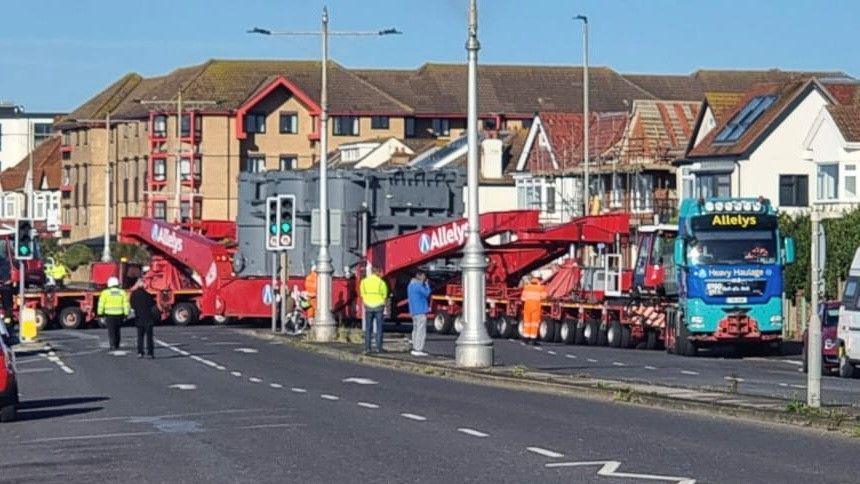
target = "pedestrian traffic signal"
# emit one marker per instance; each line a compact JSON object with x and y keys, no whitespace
{"x":25,"y":239}
{"x":280,"y":217}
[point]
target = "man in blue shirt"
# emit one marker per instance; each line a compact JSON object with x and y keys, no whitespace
{"x":418,"y":293}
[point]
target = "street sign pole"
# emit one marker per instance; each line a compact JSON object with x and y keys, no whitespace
{"x":813,"y":343}
{"x":274,"y":300}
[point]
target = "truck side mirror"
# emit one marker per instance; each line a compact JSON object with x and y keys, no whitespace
{"x":678,"y":255}
{"x":790,"y":255}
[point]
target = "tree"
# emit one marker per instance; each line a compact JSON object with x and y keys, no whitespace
{"x":132,"y":253}
{"x":75,"y":255}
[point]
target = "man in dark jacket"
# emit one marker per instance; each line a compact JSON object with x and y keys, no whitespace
{"x":146,"y":313}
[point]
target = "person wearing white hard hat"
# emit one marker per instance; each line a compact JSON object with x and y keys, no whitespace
{"x":113,"y":307}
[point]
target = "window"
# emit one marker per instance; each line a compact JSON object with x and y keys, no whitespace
{"x":136,"y":130}
{"x":828,"y":180}
{"x":77,"y":138}
{"x":643,"y":193}
{"x":616,"y":196}
{"x":159,"y":170}
{"x":793,"y":190}
{"x":136,"y":181}
{"x":159,"y":126}
{"x":442,"y":127}
{"x":738,"y":125}
{"x":289,"y":123}
{"x":184,"y":211}
{"x":850,"y":180}
{"x":710,"y":185}
{"x":255,"y":123}
{"x":10,"y":206}
{"x":410,"y":127}
{"x":379,"y":122}
{"x":288,"y":162}
{"x":41,"y":132}
{"x":67,"y":137}
{"x":185,"y":129}
{"x":40,"y":206}
{"x":159,"y":210}
{"x":185,"y":169}
{"x":254,"y":164}
{"x":550,"y":198}
{"x":198,"y":208}
{"x":125,"y":129}
{"x":86,"y":134}
{"x":849,"y":294}
{"x":529,"y":193}
{"x":125,"y":190}
{"x":345,"y":126}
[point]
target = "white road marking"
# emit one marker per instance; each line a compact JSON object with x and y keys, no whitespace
{"x":522,"y":343}
{"x":53,"y":358}
{"x":119,"y":353}
{"x":412,"y":416}
{"x":688,"y":372}
{"x":650,"y":368}
{"x":608,"y":468}
{"x":359,"y":381}
{"x":618,"y":363}
{"x":538,"y":348}
{"x":89,"y":437}
{"x":733,"y":378}
{"x":368,"y":405}
{"x":472,"y":432}
{"x":591,"y":360}
{"x":67,"y":369}
{"x":33,"y":370}
{"x":276,"y":385}
{"x":545,"y":452}
{"x":551,"y":352}
{"x":573,"y":357}
{"x":236,"y":373}
{"x":246,"y":350}
{"x":184,"y":386}
{"x":793,"y":362}
{"x":222,"y":368}
{"x":298,"y":390}
{"x":798,"y":386}
{"x":783,"y":384}
{"x":326,"y":396}
{"x":254,"y":379}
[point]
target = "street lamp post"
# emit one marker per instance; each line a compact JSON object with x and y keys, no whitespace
{"x":474,"y":345}
{"x":585,"y":114}
{"x":324,"y":328}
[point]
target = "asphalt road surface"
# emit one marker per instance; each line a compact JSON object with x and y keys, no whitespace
{"x":218,"y":406}
{"x":779,"y":377}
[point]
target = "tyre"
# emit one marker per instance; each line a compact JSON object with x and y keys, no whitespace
{"x":443,"y":323}
{"x":506,"y":326}
{"x":42,"y":321}
{"x":295,"y":324}
{"x":613,"y":334}
{"x":846,"y":369}
{"x":567,"y":331}
{"x":651,"y":342}
{"x":601,"y":335}
{"x":492,"y":326}
{"x":579,"y":334}
{"x":183,"y":314}
{"x":458,"y":324}
{"x":684,"y":346}
{"x":546,"y":330}
{"x":521,"y":329}
{"x":626,"y":337}
{"x":590,"y":333}
{"x":219,"y":320}
{"x":8,"y":413}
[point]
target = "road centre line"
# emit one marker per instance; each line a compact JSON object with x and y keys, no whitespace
{"x":367,"y":405}
{"x":650,"y":368}
{"x":688,"y":372}
{"x":412,"y":416}
{"x":298,"y":390}
{"x":472,"y":432}
{"x":618,"y":363}
{"x":551,"y":352}
{"x":254,"y":379}
{"x":236,"y":373}
{"x":591,"y":360}
{"x":573,"y":357}
{"x":326,"y":396}
{"x":276,"y":385}
{"x":545,"y":452}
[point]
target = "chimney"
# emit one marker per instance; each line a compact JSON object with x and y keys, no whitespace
{"x":491,"y":159}
{"x":400,"y":158}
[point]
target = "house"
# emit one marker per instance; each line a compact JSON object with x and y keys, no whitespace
{"x":21,"y":131}
{"x":833,"y":147}
{"x":46,"y":181}
{"x":757,"y":148}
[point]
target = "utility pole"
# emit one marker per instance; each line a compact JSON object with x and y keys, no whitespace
{"x":323,"y":328}
{"x":585,"y":111}
{"x":813,"y":351}
{"x":474,"y":345}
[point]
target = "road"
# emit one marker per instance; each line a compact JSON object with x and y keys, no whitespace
{"x":220,"y":406}
{"x":779,"y":377}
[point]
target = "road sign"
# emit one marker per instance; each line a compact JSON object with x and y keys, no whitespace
{"x":335,"y":221}
{"x":280,"y":222}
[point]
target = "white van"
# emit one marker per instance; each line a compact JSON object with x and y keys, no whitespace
{"x":848,"y":331}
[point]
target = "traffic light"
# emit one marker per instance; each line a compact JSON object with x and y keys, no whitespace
{"x":272,"y":228}
{"x":280,"y":217}
{"x":25,"y":239}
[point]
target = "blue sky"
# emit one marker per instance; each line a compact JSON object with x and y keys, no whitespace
{"x":54,"y":54}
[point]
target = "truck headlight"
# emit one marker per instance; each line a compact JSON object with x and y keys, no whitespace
{"x":697,"y":319}
{"x":829,"y":344}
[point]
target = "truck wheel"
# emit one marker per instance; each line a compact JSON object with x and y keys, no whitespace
{"x":567,"y":331}
{"x":71,"y":317}
{"x":443,"y":323}
{"x":651,"y":339}
{"x":601,"y":335}
{"x":42,"y":321}
{"x":492,"y":327}
{"x":613,"y":335}
{"x":521,"y":329}
{"x":8,"y":413}
{"x":219,"y":320}
{"x":590,"y":333}
{"x":846,"y":369}
{"x":546,"y":330}
{"x":684,"y":345}
{"x":458,"y":324}
{"x":579,"y":334}
{"x":626,"y":337}
{"x":506,"y":326}
{"x":183,"y":314}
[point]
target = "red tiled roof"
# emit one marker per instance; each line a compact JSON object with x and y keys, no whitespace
{"x":659,"y":130}
{"x":847,"y":119}
{"x":786,"y":93}
{"x":565,"y":135}
{"x":47,"y":166}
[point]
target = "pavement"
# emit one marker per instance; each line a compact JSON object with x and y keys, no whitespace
{"x":219,"y":405}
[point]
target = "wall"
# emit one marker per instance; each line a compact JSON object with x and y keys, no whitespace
{"x":16,"y":139}
{"x":827,"y":145}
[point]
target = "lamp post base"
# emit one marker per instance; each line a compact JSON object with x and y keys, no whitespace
{"x":324,"y":333}
{"x":471,"y":355}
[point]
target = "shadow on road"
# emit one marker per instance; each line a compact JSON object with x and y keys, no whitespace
{"x":25,"y":415}
{"x":58,"y":402}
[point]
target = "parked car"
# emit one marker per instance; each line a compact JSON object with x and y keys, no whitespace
{"x":848,"y":332}
{"x":8,"y":382}
{"x":828,"y":313}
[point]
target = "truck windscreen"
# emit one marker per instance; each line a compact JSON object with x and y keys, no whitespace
{"x":732,"y":247}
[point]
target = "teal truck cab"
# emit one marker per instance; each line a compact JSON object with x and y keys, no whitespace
{"x":729,"y":257}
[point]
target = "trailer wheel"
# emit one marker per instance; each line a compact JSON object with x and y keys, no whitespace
{"x":71,"y":317}
{"x":42,"y":321}
{"x":521,"y":329}
{"x":601,"y":335}
{"x":846,"y":369}
{"x":650,"y":339}
{"x":626,"y":337}
{"x":546,"y":330}
{"x":458,"y":324}
{"x":590,"y":333}
{"x":567,"y":331}
{"x":492,"y":326}
{"x":613,"y":335}
{"x":579,"y":333}
{"x":505,"y":326}
{"x":443,"y":323}
{"x":183,"y":314}
{"x":683,"y":345}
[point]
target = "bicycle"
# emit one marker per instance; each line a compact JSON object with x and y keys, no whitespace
{"x":297,"y":321}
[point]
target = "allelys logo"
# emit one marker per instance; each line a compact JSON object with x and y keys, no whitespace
{"x":454,"y":234}
{"x":167,"y":238}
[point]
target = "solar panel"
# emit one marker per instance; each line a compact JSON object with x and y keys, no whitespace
{"x":739,"y":124}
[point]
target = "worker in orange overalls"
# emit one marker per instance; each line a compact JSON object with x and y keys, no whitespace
{"x":311,"y":292}
{"x":534,"y":293}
